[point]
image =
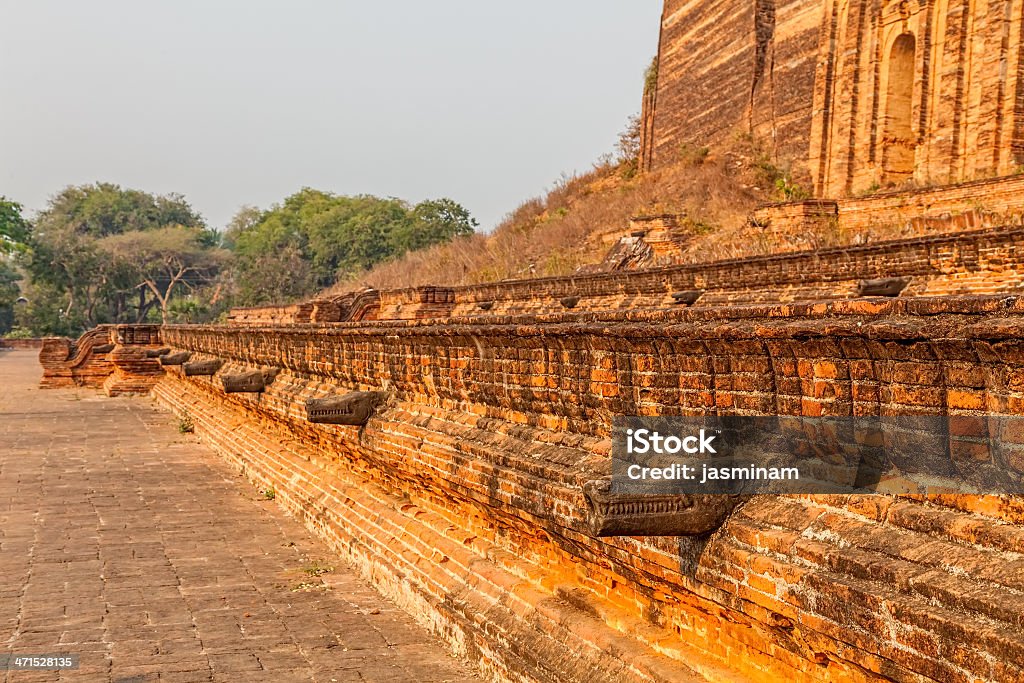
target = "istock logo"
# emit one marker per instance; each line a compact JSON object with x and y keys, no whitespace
{"x":643,"y":441}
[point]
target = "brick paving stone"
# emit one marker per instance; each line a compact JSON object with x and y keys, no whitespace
{"x":137,"y":548}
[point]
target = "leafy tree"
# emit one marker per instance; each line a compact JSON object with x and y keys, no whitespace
{"x":436,"y":221}
{"x":104,"y":209}
{"x":69,"y":266}
{"x":282,"y":275}
{"x":14,"y":229}
{"x":162,"y":260}
{"x":44,"y":314}
{"x":313,"y":238}
{"x":244,"y":220}
{"x":351,"y":234}
{"x":104,"y":254}
{"x":9,"y":293}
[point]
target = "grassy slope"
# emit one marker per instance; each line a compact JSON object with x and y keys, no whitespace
{"x":556,"y":234}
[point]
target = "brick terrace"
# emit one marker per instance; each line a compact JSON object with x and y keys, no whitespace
{"x":129,"y":544}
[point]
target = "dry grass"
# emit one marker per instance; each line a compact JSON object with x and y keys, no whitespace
{"x":556,"y":234}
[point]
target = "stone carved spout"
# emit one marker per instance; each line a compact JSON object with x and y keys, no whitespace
{"x":687,"y":298}
{"x":198,"y":368}
{"x":175,"y":358}
{"x":654,"y":515}
{"x":156,"y":353}
{"x":251,"y":382}
{"x":354,"y":409}
{"x":889,"y":286}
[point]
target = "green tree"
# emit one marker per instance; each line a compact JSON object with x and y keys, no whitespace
{"x":244,"y":220}
{"x":14,"y":229}
{"x":436,"y":221}
{"x":313,"y":238}
{"x":103,"y":209}
{"x":95,"y":246}
{"x":161,"y":261}
{"x":9,"y":293}
{"x":44,"y":315}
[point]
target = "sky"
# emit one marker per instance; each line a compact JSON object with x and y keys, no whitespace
{"x":243,"y":102}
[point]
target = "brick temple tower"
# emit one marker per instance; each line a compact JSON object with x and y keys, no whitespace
{"x":853,"y":94}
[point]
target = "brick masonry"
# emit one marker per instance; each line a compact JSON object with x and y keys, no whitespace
{"x":851,"y":94}
{"x":735,"y":66}
{"x":6,"y":343}
{"x":468,"y":484}
{"x":972,"y":262}
{"x":987,"y":203}
{"x":109,"y":357}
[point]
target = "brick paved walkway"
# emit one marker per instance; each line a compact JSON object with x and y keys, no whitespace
{"x":132,"y":545}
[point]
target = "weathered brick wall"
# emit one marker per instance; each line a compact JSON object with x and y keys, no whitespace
{"x":922,"y":92}
{"x":20,"y":343}
{"x":76,"y":364}
{"x":362,"y":305}
{"x":983,"y":262}
{"x":950,"y":111}
{"x":462,"y":498}
{"x":266,"y":315}
{"x":732,"y":67}
{"x":975,"y":261}
{"x":111,"y":357}
{"x":929,"y":210}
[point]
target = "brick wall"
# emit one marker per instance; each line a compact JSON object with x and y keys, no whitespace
{"x":109,"y":357}
{"x":20,"y":343}
{"x":925,"y":92}
{"x":468,"y":484}
{"x":971,"y":262}
{"x":947,"y":111}
{"x":924,"y":211}
{"x":978,"y":261}
{"x":732,"y":67}
{"x":361,"y":305}
{"x":265,"y":315}
{"x":982,"y":205}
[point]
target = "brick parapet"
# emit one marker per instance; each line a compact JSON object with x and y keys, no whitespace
{"x":7,"y":343}
{"x":579,"y":369}
{"x":979,"y":203}
{"x":111,"y":357}
{"x":982,"y":262}
{"x":970,"y":262}
{"x":494,"y":424}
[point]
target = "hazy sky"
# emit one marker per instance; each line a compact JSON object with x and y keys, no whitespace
{"x":234,"y":102}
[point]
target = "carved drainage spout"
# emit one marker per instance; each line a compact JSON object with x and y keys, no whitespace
{"x":890,"y":286}
{"x":687,"y":298}
{"x":200,"y":368}
{"x":655,"y":515}
{"x":248,"y":382}
{"x":175,"y":358}
{"x":353,"y":409}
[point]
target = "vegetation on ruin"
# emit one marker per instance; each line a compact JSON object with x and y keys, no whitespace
{"x":185,"y":424}
{"x":559,"y":232}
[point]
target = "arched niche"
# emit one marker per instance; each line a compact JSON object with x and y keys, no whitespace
{"x":899,"y":142}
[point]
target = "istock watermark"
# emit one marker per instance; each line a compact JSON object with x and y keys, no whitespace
{"x":974,"y":454}
{"x":643,"y":441}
